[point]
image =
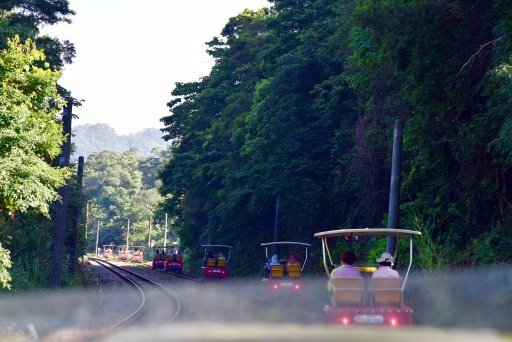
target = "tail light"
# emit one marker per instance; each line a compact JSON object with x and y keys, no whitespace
{"x":276,"y":286}
{"x":344,"y":320}
{"x":296,"y":287}
{"x":393,"y":322}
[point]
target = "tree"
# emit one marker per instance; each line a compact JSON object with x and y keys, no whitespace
{"x":301,"y":102}
{"x":123,"y":186}
{"x":30,"y":134}
{"x":23,"y":18}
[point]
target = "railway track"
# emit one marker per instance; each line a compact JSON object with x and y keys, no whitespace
{"x":146,"y":287}
{"x":157,"y":306}
{"x":182,"y":275}
{"x":150,"y":305}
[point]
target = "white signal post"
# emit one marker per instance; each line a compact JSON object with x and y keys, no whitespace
{"x":97,"y":237}
{"x":165,"y":233}
{"x":127,"y":235}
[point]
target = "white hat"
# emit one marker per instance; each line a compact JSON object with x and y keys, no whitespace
{"x":385,"y":257}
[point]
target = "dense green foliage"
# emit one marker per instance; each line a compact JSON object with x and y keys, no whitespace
{"x":5,"y":264}
{"x":24,"y":18}
{"x":123,"y":187}
{"x":30,"y":138}
{"x":92,"y":138}
{"x":29,"y":131}
{"x":301,"y":103}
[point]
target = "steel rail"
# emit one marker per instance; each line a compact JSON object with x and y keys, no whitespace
{"x":185,"y":276}
{"x":132,"y":283}
{"x":152,"y":283}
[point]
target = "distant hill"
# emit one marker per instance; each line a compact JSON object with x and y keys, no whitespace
{"x":90,"y":138}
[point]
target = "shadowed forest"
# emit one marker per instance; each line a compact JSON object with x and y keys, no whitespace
{"x":301,"y":103}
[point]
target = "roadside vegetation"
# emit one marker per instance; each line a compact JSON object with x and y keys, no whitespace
{"x":301,"y":103}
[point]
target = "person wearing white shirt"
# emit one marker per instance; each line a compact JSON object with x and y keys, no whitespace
{"x":385,"y":261}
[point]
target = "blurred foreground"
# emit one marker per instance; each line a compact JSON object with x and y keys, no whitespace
{"x":465,"y":306}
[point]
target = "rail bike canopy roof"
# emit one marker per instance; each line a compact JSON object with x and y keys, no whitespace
{"x":287,"y":243}
{"x":215,"y":246}
{"x":219,"y":246}
{"x":367,"y":232}
{"x":161,"y":247}
{"x":265,"y":244}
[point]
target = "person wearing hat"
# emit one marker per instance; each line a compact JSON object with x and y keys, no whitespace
{"x":274,"y":261}
{"x":346,"y":270}
{"x":385,"y":271}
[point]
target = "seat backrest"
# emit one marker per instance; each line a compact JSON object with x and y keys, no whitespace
{"x":221,"y":262}
{"x":293,"y":270}
{"x":170,"y":257}
{"x":386,"y":291}
{"x":276,"y":271}
{"x":211,"y":262}
{"x":347,"y":291}
{"x":178,"y":257}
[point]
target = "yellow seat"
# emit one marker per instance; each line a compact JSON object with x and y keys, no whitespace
{"x":276,"y":271}
{"x":347,"y":291}
{"x":294,"y":270}
{"x":221,"y":262}
{"x":386,"y":291}
{"x":211,"y":262}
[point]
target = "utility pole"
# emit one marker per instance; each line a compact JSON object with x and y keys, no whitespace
{"x":86,"y":218}
{"x":76,"y":218}
{"x":394,"y":191}
{"x":165,"y":233}
{"x":277,"y":231}
{"x":97,"y":237}
{"x":128,"y":236}
{"x":60,"y":221}
{"x":149,"y":233}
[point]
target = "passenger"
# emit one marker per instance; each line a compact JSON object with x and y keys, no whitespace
{"x":221,"y":260}
{"x":385,"y":271}
{"x":292,"y":259}
{"x":208,"y":256}
{"x":293,"y":269}
{"x":274,"y":261}
{"x":346,"y":270}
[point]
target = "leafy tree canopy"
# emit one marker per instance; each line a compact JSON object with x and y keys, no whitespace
{"x":30,"y":134}
{"x":301,"y":103}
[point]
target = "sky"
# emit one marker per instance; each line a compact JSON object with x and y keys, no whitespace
{"x":130,"y":53}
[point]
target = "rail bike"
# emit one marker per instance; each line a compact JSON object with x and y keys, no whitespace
{"x":122,"y":254}
{"x":159,"y":258}
{"x":138,"y":254}
{"x":174,"y":262}
{"x":215,"y":262}
{"x":367,"y":300}
{"x":108,"y":251}
{"x":284,"y":274}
